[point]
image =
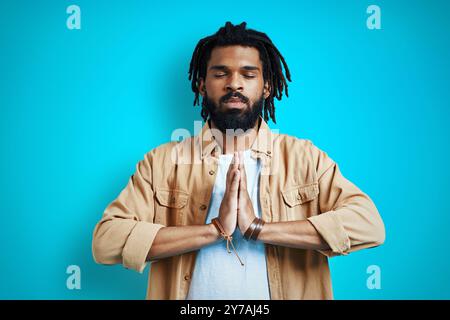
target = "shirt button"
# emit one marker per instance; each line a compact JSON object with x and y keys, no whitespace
{"x":268,"y":152}
{"x":211,"y":172}
{"x":187,"y":277}
{"x":202,"y":207}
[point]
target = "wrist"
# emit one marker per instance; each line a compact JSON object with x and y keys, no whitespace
{"x":214,"y":232}
{"x":248,"y":222}
{"x":254,"y":229}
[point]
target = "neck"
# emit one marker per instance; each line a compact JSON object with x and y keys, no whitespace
{"x":235,"y":142}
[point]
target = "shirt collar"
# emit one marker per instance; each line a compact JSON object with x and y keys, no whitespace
{"x":263,"y":143}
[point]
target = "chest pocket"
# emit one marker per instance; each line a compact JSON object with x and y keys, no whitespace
{"x":301,"y":201}
{"x":171,"y":206}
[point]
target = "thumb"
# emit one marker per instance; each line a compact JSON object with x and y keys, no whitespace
{"x":234,"y":187}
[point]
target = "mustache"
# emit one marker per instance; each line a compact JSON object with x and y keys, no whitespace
{"x":230,"y":95}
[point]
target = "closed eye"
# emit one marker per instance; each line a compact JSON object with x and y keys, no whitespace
{"x":220,"y":75}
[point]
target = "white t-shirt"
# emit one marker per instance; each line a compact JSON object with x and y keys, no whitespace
{"x":219,"y":274}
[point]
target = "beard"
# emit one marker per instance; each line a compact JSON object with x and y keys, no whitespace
{"x":233,"y":119}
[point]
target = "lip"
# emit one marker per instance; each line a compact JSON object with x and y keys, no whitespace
{"x":237,"y":104}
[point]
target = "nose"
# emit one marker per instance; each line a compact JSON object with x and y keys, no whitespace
{"x":234,"y":83}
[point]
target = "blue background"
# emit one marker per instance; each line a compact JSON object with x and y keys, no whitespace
{"x":79,"y":108}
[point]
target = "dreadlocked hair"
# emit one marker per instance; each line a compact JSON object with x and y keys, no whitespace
{"x":270,"y":57}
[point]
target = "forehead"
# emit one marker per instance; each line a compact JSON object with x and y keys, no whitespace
{"x":235,"y":56}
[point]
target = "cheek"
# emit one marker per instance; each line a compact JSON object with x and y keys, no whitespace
{"x":214,"y":89}
{"x":255,"y":91}
{"x":215,"y":93}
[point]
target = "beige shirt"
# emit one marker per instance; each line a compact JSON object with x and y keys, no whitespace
{"x":172,"y":186}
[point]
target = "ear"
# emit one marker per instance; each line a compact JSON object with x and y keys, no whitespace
{"x":266,"y":90}
{"x":201,"y":86}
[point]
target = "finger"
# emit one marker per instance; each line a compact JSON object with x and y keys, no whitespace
{"x":234,"y":187}
{"x":236,"y":161}
{"x":234,"y":165}
{"x":243,"y":193}
{"x":231,"y":168}
{"x":240,"y":191}
{"x":241,"y":162}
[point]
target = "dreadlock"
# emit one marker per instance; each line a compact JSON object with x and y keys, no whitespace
{"x":238,"y":35}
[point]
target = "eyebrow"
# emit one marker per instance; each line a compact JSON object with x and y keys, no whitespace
{"x":223,"y":67}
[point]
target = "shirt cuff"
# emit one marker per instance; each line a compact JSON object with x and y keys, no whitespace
{"x":330,"y":227}
{"x":138,"y":245}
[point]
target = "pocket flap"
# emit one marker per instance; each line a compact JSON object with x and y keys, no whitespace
{"x":296,"y":195}
{"x":172,"y":198}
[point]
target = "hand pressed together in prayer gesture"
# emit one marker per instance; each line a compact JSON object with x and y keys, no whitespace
{"x":236,"y":208}
{"x":245,"y":212}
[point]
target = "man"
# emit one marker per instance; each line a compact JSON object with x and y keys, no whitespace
{"x":237,"y":211}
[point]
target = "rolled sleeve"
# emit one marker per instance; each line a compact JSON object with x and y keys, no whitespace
{"x":127,"y":230}
{"x":330,"y":227}
{"x":138,"y":245}
{"x":348,"y":220}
